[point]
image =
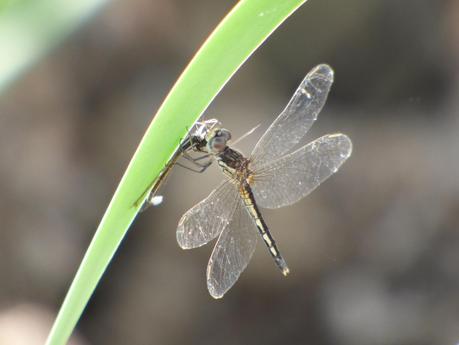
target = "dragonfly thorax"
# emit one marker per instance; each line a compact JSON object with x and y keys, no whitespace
{"x":234,"y":165}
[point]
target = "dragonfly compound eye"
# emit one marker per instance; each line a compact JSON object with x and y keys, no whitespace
{"x":226,"y":134}
{"x":217,"y":144}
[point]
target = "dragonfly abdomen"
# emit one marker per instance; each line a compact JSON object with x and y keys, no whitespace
{"x":250,"y":203}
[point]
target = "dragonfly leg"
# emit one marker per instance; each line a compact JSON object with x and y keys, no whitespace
{"x":199,"y":158}
{"x":196,"y":161}
{"x":199,"y":170}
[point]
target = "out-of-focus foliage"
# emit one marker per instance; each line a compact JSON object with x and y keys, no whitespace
{"x":6,"y":5}
{"x":29,"y":29}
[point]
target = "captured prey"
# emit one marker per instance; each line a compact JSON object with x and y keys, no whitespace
{"x":274,"y":175}
{"x":195,"y":141}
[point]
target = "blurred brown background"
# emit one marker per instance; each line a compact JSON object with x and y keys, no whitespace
{"x":374,"y":252}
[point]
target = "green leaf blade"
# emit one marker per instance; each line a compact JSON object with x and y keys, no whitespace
{"x":239,"y":34}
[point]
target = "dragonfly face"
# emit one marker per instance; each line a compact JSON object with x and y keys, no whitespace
{"x":217,"y":140}
{"x":273,"y":176}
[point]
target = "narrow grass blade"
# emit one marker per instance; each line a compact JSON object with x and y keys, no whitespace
{"x":233,"y":41}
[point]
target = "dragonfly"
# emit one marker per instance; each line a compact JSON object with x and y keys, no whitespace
{"x":273,"y":176}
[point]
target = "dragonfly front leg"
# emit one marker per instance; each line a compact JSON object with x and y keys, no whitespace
{"x":196,"y":161}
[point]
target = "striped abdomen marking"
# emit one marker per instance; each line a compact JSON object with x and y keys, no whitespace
{"x":249,"y":201}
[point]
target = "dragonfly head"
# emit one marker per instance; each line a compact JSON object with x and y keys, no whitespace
{"x":217,"y":139}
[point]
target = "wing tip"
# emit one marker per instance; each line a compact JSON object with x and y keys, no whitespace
{"x":181,"y":238}
{"x":348,"y":142}
{"x":345,"y":142}
{"x":318,"y":80}
{"x":213,"y":290}
{"x":323,"y":71}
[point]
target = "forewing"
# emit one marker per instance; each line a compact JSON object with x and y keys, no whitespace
{"x":232,"y":252}
{"x":297,"y":118}
{"x":292,"y":177}
{"x":206,"y":220}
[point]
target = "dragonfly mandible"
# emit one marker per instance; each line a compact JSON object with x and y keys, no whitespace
{"x":273,"y":176}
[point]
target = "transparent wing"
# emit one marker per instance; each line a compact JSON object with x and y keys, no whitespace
{"x":232,"y":252}
{"x":206,"y":220}
{"x":292,"y":177}
{"x":297,"y":117}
